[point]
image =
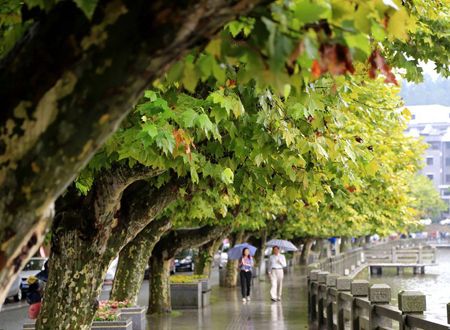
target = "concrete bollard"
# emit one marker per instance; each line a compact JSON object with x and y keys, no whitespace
{"x":332,"y":280}
{"x":313,"y":275}
{"x":380,"y":294}
{"x":360,"y":288}
{"x":322,"y":277}
{"x":343,"y":283}
{"x":412,"y":302}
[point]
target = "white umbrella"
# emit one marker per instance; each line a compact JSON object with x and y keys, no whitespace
{"x":282,"y":244}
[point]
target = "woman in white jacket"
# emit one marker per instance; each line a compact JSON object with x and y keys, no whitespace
{"x":277,"y":262}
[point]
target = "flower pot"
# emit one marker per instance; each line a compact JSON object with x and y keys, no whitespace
{"x":29,"y":325}
{"x":109,"y":325}
{"x":136,"y":314}
{"x":186,"y":295}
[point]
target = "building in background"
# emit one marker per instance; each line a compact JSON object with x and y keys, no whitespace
{"x":432,"y":123}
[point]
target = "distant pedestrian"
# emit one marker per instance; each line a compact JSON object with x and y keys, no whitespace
{"x":34,"y":297}
{"x":277,"y":262}
{"x":245,"y":265}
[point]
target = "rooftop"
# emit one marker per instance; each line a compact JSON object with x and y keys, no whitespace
{"x":429,"y":114}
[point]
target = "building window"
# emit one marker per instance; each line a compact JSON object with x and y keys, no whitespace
{"x":434,"y":145}
{"x":447,"y":161}
{"x":429,"y":160}
{"x":414,"y":116}
{"x":447,"y":178}
{"x":446,"y":192}
{"x":447,"y":145}
{"x":430,"y":176}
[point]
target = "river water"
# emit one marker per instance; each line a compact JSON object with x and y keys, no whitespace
{"x":435,"y":284}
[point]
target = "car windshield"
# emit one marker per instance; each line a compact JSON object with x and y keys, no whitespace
{"x":184,"y":254}
{"x":36,"y":264}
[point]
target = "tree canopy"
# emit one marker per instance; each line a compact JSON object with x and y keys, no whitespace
{"x":251,"y":111}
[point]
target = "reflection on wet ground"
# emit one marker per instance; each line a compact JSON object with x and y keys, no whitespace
{"x":228,"y":312}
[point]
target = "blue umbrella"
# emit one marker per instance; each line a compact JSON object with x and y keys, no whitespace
{"x":236,"y":251}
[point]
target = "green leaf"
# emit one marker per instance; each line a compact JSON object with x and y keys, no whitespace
{"x":190,"y":77}
{"x":360,"y":41}
{"x":189,"y":117}
{"x":307,"y":11}
{"x":227,"y":176}
{"x":87,"y":6}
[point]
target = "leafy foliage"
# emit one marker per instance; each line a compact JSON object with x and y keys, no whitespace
{"x":426,"y":199}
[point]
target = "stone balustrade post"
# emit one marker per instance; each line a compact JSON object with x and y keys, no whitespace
{"x":379,"y":294}
{"x":411,"y":302}
{"x":359,"y":288}
{"x":313,"y":292}
{"x":343,"y":284}
{"x":394,"y":254}
{"x":322,"y":296}
{"x":448,"y":313}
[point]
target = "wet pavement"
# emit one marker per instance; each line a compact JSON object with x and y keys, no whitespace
{"x":227,"y":311}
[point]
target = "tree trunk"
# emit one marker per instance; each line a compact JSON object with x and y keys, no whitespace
{"x":81,"y":252}
{"x":60,"y":103}
{"x":231,"y":272}
{"x":133,"y":259}
{"x":159,"y":285}
{"x":163,"y":252}
{"x":304,"y":257}
{"x":345,"y":244}
{"x":260,"y":244}
{"x":76,"y":273}
{"x":323,"y":248}
{"x":205,"y":257}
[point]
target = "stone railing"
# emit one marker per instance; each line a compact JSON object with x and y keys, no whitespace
{"x":338,"y":302}
{"x":401,"y":254}
{"x":343,"y":264}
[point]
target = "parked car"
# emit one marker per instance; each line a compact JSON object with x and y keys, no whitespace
{"x":147,"y":270}
{"x":15,"y":291}
{"x":185,"y":261}
{"x":33,"y":266}
{"x":223,"y":255}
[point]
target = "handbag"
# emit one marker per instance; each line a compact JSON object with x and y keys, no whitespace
{"x":33,"y":310}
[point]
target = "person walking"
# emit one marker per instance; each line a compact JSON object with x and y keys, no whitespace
{"x":277,"y":262}
{"x":245,"y":265}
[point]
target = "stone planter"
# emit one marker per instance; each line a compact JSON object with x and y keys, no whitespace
{"x":206,"y":292}
{"x":136,"y":314}
{"x":97,"y":325}
{"x":116,"y":325}
{"x":186,"y":295}
{"x":29,"y":325}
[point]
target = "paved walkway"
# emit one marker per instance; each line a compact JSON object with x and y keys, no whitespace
{"x":228,"y":312}
{"x":225,"y":312}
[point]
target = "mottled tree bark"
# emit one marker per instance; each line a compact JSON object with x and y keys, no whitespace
{"x":304,"y":257}
{"x":133,"y":259}
{"x":260,"y":244}
{"x":346,"y":244}
{"x":88,"y":233}
{"x":66,"y":86}
{"x":165,"y":250}
{"x":159,"y":285}
{"x":205,"y":258}
{"x":231,"y":273}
